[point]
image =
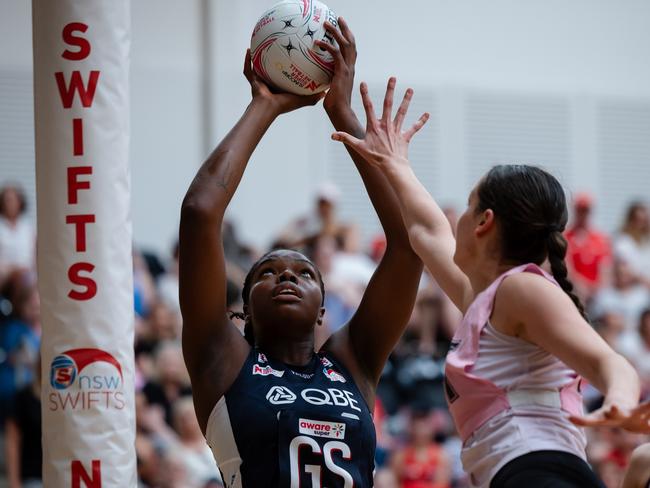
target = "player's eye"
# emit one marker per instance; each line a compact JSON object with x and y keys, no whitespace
{"x":307,"y":272}
{"x":267,"y":271}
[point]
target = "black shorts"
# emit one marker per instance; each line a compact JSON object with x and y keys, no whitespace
{"x":546,"y":469}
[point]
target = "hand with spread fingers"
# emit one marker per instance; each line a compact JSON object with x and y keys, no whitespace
{"x":384,"y":142}
{"x":280,"y":102}
{"x":635,"y":419}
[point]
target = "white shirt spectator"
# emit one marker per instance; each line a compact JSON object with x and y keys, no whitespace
{"x":637,"y":255}
{"x":628,"y":303}
{"x":16,"y":244}
{"x":353,"y":268}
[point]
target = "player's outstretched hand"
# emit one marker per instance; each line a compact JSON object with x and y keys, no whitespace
{"x":384,"y":143}
{"x":632,"y":419}
{"x":278,"y":102}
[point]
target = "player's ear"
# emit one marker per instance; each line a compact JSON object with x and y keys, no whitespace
{"x":485,"y":223}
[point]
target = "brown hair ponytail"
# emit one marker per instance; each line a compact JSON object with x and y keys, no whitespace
{"x":557,"y":247}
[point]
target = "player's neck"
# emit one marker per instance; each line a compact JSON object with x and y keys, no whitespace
{"x":485,"y":270}
{"x":294,"y":353}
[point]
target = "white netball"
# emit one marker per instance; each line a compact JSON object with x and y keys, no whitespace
{"x":283,"y":51}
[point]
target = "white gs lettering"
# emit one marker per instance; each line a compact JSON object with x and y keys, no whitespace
{"x":329,"y":462}
{"x":315,"y":470}
{"x":294,"y":448}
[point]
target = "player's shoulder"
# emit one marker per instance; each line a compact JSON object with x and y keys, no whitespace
{"x":526,"y":288}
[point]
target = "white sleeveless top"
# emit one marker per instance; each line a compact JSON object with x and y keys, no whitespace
{"x":525,"y":371}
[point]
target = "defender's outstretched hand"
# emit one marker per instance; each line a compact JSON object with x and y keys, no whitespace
{"x":384,"y":142}
{"x":634,"y":420}
{"x":279,"y":102}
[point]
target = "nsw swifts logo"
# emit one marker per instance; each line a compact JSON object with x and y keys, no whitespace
{"x":84,"y":379}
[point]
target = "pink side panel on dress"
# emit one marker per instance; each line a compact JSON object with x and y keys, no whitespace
{"x":475,"y":400}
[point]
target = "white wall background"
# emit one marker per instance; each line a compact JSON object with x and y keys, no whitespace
{"x":563,"y":84}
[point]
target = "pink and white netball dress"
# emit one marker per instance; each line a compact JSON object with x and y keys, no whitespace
{"x":281,"y":425}
{"x":508,"y":397}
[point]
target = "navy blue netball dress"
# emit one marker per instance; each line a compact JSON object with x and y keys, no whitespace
{"x":289,"y":426}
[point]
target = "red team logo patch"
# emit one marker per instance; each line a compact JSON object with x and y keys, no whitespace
{"x":266,"y":371}
{"x":333,"y":375}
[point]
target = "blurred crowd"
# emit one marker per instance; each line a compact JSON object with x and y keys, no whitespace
{"x":417,"y":446}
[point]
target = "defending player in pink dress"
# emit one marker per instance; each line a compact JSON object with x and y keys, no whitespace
{"x":517,"y":360}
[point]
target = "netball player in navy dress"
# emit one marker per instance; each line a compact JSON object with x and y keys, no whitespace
{"x":274,"y":412}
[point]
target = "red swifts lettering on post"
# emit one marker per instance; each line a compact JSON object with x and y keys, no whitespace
{"x":79,"y":473}
{"x":76,"y":85}
{"x":80,"y":222}
{"x":76,"y":279}
{"x":86,"y":94}
{"x":78,"y":137}
{"x":74,"y":185}
{"x":80,"y":42}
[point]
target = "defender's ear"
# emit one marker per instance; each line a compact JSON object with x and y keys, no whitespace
{"x":486,"y":223}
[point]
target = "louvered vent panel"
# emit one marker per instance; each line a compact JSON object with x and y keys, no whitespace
{"x":623,"y":157}
{"x":17,"y":133}
{"x":504,"y":128}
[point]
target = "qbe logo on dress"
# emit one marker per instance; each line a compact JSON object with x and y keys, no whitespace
{"x":280,"y":395}
{"x":320,"y":428}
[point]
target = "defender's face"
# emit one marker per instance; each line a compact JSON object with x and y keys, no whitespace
{"x":465,"y":238}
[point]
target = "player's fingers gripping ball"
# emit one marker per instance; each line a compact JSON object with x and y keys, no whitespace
{"x":283,"y":51}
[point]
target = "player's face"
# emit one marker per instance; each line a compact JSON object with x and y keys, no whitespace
{"x":286,"y":291}
{"x":465,"y":236}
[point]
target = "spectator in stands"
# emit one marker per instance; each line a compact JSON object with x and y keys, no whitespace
{"x":192,"y":449}
{"x":633,"y":243}
{"x":610,"y":326}
{"x":19,"y":338}
{"x":172,"y":381}
{"x":635,"y":345}
{"x":588,"y":252}
{"x":24,"y":454}
{"x":322,"y":220}
{"x":340,"y":300}
{"x":144,"y":287}
{"x":638,"y":474}
{"x":625,"y":296}
{"x":149,"y":462}
{"x":17,"y":237}
{"x":422,"y":462}
{"x":168,"y":283}
{"x":612,"y":456}
{"x":350,"y":265}
{"x":239,"y":256}
{"x":414,"y":372}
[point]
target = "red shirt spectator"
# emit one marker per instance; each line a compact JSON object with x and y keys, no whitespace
{"x":589,"y":250}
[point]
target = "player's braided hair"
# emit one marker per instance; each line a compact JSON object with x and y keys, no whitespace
{"x":531,"y":211}
{"x":245,"y":293}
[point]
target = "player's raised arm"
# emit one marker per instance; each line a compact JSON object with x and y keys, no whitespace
{"x":430,"y":234}
{"x":213,"y":348}
{"x":388,"y":300}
